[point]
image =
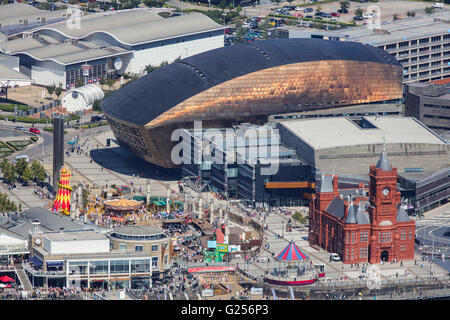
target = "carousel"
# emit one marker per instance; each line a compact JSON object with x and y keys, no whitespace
{"x":293,"y":268}
{"x":122,"y":210}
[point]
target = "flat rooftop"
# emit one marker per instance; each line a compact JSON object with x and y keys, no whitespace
{"x":405,"y":29}
{"x":326,"y":133}
{"x":74,"y":235}
{"x":360,"y":108}
{"x":13,"y":13}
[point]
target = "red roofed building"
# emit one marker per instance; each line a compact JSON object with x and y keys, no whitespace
{"x":363,"y":227}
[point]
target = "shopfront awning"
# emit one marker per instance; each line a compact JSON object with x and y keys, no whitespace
{"x":36,"y":262}
{"x":55,"y":263}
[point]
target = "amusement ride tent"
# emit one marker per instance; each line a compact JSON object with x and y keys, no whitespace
{"x":292,"y":253}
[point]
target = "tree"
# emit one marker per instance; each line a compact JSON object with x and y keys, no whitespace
{"x":411,"y":14}
{"x":4,"y":164}
{"x":359,"y":12}
{"x":110,"y":83}
{"x":9,"y":173}
{"x":429,"y":10}
{"x":38,"y":171}
{"x":20,"y":167}
{"x":58,"y":90}
{"x":27,"y":174}
{"x":276,"y":1}
{"x":154,"y":3}
{"x":7,"y":205}
{"x":345,"y":5}
{"x":51,"y":89}
{"x":319,"y":8}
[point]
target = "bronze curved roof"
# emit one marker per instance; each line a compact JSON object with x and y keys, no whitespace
{"x":149,"y":97}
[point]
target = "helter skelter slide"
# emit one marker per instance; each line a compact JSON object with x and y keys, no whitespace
{"x":62,"y":201}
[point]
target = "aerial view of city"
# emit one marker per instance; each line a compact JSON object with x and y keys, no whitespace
{"x":248,"y":151}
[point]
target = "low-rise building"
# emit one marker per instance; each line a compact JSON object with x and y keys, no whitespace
{"x":429,"y":103}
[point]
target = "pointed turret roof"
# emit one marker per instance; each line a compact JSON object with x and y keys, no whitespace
{"x":383,"y":162}
{"x":351,"y":216}
{"x":326,"y":184}
{"x":402,"y":214}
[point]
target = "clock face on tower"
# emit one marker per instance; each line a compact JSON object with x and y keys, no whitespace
{"x":385,"y":191}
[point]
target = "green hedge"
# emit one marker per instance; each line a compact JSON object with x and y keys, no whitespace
{"x":19,"y":145}
{"x":27,"y":119}
{"x":51,"y":129}
{"x":94,"y":125}
{"x":4,"y":146}
{"x":10,"y":107}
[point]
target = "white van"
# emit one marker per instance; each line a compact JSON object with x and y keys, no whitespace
{"x":27,"y":159}
{"x":438,"y":5}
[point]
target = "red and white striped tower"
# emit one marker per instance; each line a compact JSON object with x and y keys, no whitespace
{"x":62,"y":201}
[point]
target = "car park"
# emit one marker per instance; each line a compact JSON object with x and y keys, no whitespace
{"x":34,"y":130}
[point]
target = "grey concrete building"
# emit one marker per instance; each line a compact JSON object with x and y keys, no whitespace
{"x":429,"y":103}
{"x":349,"y":145}
{"x":420,"y":44}
{"x":425,"y":190}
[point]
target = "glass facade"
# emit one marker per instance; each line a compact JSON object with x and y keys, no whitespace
{"x":142,"y":265}
{"x":98,"y":267}
{"x":119,"y":266}
{"x":78,"y":267}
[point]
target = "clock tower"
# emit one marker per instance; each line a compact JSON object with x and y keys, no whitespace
{"x":383,"y":201}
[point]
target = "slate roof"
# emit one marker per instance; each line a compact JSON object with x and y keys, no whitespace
{"x":336,"y":207}
{"x":351,"y":216}
{"x":383,"y":162}
{"x":362,"y":216}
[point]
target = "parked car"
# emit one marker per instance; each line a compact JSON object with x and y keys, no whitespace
{"x":438,"y":5}
{"x":96,"y":118}
{"x":309,"y":17}
{"x":325,"y":15}
{"x":359,"y":18}
{"x":335,"y":14}
{"x":308,"y":10}
{"x":20,"y":128}
{"x":342,"y":11}
{"x":335,"y":257}
{"x":298,"y":9}
{"x":34,"y":130}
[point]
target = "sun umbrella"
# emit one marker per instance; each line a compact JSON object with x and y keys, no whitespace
{"x":6,"y":279}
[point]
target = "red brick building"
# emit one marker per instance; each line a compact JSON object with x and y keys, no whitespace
{"x":363,"y":226}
